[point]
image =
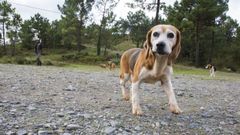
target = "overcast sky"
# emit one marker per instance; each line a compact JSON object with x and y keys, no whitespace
{"x":27,"y":8}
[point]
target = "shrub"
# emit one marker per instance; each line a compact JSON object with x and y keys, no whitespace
{"x":48,"y":62}
{"x":20,"y":60}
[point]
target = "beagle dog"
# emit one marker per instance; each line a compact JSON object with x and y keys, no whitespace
{"x":111,"y":65}
{"x":151,"y":64}
{"x":212,"y":70}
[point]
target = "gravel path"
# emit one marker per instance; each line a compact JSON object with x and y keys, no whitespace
{"x":52,"y":100}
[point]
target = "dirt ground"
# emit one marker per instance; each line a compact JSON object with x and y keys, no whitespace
{"x":52,"y":100}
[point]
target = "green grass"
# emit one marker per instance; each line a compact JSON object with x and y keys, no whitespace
{"x":204,"y":73}
{"x":124,"y":46}
{"x":179,"y":69}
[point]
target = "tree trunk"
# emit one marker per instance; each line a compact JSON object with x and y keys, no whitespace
{"x":79,"y":31}
{"x":100,"y":31}
{"x":13,"y":47}
{"x":211,"y":48}
{"x":4,"y":42}
{"x":138,"y":44}
{"x":79,"y":38}
{"x":197,"y":45}
{"x":99,"y":40}
{"x":105,"y":50}
{"x":157,"y":12}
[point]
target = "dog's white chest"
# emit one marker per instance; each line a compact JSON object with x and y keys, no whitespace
{"x":154,"y":75}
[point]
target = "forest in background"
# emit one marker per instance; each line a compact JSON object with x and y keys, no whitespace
{"x":208,"y":34}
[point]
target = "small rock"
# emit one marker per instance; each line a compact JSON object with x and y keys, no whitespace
{"x":10,"y":133}
{"x":54,"y":94}
{"x":157,"y":124}
{"x":13,"y":110}
{"x":4,"y":101}
{"x":163,"y":123}
{"x":190,"y":95}
{"x":14,"y":88}
{"x":138,"y":128}
{"x":201,"y":108}
{"x":70,"y":88}
{"x":208,"y":130}
{"x":15,"y":102}
{"x":22,"y":132}
{"x":233,"y":122}
{"x":149,"y":106}
{"x":31,"y":108}
{"x":85,"y":115}
{"x":206,"y":115}
{"x":47,"y":125}
{"x":60,"y":114}
{"x":71,"y":112}
{"x":72,"y":127}
{"x":180,"y":124}
{"x":113,"y":123}
{"x":109,"y":130}
{"x":66,"y":134}
{"x":180,"y":93}
{"x":222,"y":123}
{"x":193,"y":125}
{"x":44,"y":132}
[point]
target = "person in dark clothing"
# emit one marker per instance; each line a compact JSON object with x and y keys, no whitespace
{"x":38,"y":52}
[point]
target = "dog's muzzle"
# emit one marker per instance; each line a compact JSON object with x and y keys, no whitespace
{"x":160,"y":48}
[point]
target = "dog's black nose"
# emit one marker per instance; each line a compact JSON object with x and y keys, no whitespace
{"x":160,"y":47}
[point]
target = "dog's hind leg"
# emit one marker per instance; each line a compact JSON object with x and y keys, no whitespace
{"x":124,"y":76}
{"x":123,"y":79}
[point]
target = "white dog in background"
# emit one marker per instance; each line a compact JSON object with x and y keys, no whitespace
{"x":212,"y":70}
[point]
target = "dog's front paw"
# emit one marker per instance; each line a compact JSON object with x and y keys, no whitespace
{"x":136,"y":110}
{"x":175,"y":109}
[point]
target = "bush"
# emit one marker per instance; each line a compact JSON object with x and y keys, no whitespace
{"x":68,"y":57}
{"x":83,"y":58}
{"x":91,"y":59}
{"x":20,"y":60}
{"x":48,"y":62}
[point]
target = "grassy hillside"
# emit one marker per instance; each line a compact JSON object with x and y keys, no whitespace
{"x":63,"y":57}
{"x":87,"y":60}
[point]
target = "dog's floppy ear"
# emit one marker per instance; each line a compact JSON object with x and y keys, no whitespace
{"x":147,"y":44}
{"x":176,"y":48}
{"x":149,"y":56}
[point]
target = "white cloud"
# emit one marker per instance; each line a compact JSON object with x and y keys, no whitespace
{"x":234,"y":7}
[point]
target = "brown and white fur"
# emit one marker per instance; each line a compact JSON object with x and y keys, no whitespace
{"x":212,"y":70}
{"x":151,"y":64}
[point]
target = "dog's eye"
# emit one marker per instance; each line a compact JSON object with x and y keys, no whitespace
{"x":170,"y":35}
{"x":156,"y":34}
